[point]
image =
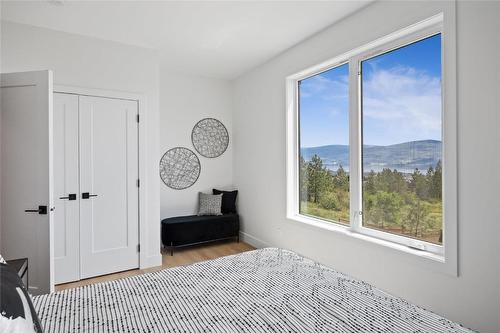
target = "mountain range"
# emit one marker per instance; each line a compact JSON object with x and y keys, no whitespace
{"x":404,"y":157}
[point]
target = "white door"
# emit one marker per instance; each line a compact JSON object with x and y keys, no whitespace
{"x":109,"y":197}
{"x":26,"y":174}
{"x":66,"y":189}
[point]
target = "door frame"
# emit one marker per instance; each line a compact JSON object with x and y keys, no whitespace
{"x":142,"y":153}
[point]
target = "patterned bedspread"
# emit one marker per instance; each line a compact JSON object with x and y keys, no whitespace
{"x":267,"y":290}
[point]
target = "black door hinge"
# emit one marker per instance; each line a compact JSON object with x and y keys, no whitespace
{"x":138,"y":247}
{"x":138,"y":183}
{"x":137,"y":118}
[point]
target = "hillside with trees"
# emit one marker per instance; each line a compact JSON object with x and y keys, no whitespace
{"x":402,"y":203}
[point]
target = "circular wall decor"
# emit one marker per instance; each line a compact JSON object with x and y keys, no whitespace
{"x":210,"y":137}
{"x":179,"y":168}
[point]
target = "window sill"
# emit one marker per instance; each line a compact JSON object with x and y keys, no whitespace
{"x":437,"y":262}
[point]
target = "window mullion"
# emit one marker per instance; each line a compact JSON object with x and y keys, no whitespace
{"x":354,"y":144}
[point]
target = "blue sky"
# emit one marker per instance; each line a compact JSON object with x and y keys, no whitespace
{"x":401,"y":99}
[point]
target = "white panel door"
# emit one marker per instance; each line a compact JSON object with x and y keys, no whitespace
{"x":109,"y":221}
{"x":66,"y":189}
{"x":26,"y":174}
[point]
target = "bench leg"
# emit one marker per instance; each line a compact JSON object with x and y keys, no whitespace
{"x":238,"y":238}
{"x":171,"y":249}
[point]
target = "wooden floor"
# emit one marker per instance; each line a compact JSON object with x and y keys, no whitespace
{"x":181,"y":257}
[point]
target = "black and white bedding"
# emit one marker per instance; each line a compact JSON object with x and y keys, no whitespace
{"x":17,"y":313}
{"x":267,"y":290}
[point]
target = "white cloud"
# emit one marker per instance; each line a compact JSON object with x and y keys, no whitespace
{"x":406,"y":100}
{"x":325,"y":88}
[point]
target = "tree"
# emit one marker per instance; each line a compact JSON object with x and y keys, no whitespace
{"x":398,"y":183}
{"x":341,"y":180}
{"x":430,"y":174}
{"x":303,"y":179}
{"x":390,"y":181}
{"x":383,"y":180}
{"x":317,"y":177}
{"x":369,"y":185}
{"x":418,"y":217}
{"x":384,"y":208}
{"x":436,"y":182}
{"x":418,"y":184}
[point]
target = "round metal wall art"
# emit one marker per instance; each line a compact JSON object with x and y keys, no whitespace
{"x":179,"y":168}
{"x":210,"y":137}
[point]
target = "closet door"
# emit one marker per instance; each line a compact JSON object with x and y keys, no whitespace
{"x":109,"y":222}
{"x":66,"y":189}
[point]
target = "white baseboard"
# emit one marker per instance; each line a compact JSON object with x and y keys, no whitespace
{"x":152,"y":261}
{"x":252,"y":240}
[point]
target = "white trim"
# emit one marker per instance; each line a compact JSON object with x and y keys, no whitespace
{"x":51,"y":180}
{"x":450,"y":139}
{"x":252,"y":240}
{"x":143,"y":189}
{"x":292,"y":149}
{"x":144,"y":260}
{"x":378,"y":43}
{"x":355,"y":182}
{"x":443,"y":258}
{"x":115,"y":94}
{"x":153,"y":261}
{"x":423,"y":259}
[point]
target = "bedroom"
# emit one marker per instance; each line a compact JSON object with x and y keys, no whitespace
{"x":255,"y":67}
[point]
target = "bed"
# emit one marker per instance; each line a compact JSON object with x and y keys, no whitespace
{"x":266,"y":290}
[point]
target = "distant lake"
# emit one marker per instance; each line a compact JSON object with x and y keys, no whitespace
{"x":404,"y":157}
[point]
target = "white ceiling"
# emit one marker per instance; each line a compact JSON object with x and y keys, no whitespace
{"x":214,"y":39}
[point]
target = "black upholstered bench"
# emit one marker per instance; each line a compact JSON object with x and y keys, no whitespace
{"x":189,"y":230}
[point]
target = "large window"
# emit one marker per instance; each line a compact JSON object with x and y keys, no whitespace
{"x":367,"y":136}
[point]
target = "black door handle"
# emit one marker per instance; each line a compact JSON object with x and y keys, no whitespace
{"x":42,"y":210}
{"x":71,"y":196}
{"x":86,"y":195}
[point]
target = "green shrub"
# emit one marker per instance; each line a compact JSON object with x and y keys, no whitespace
{"x":329,"y":201}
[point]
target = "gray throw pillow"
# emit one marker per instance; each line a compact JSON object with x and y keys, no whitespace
{"x":210,"y":204}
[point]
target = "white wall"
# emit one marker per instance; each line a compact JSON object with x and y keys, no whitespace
{"x":92,"y":63}
{"x":184,"y":100}
{"x":473,"y":298}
